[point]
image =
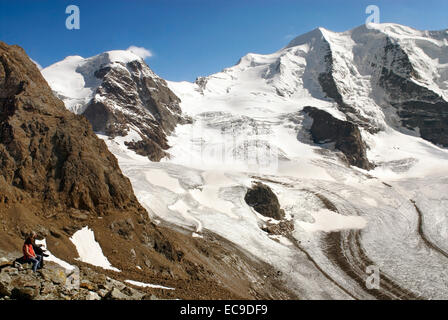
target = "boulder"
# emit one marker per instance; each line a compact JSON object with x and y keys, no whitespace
{"x":102,"y":293}
{"x":93,"y":296}
{"x":88,"y":285}
{"x":5,"y":287}
{"x":24,"y":293}
{"x":116,"y":294}
{"x":55,"y":275}
{"x":25,"y":287}
{"x":4,"y":262}
{"x":48,"y":289}
{"x":264,"y":201}
{"x":12,"y":271}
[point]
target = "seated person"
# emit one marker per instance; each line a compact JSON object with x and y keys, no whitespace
{"x":38,"y":249}
{"x":29,"y":255}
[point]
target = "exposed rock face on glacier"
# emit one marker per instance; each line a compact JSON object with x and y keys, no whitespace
{"x":120,"y":95}
{"x":345,"y":135}
{"x":264,"y":201}
{"x":417,"y":106}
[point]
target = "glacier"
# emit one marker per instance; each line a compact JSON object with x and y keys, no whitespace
{"x":247,"y":126}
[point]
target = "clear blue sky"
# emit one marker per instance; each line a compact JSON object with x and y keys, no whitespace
{"x":191,"y":38}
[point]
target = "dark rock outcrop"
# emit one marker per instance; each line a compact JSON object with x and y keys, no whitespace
{"x":149,"y":148}
{"x":418,"y":107}
{"x":284,"y":228}
{"x":264,"y":201}
{"x":344,"y":134}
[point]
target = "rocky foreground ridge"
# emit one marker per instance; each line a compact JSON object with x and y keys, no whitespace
{"x":54,"y":283}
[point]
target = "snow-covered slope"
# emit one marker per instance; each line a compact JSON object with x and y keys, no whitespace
{"x":248,"y":125}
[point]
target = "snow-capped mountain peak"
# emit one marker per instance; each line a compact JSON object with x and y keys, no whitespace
{"x":364,"y":73}
{"x":73,"y":79}
{"x":309,"y":37}
{"x":121,"y":96}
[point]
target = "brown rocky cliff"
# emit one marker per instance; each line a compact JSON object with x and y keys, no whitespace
{"x":48,"y":153}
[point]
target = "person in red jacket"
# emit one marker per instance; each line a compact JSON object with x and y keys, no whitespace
{"x":38,"y":249}
{"x":30,"y":255}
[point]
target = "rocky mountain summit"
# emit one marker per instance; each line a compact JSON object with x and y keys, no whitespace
{"x":120,"y":95}
{"x":388,"y":75}
{"x":372,"y":78}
